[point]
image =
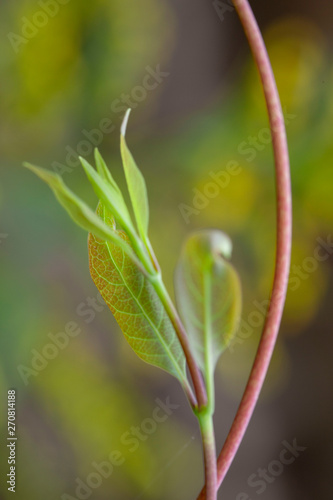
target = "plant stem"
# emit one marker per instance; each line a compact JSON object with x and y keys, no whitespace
{"x":152,"y":271}
{"x":199,"y":388}
{"x":209,"y":449}
{"x":203,"y":405}
{"x":283,"y":244}
{"x":151,"y":253}
{"x":205,"y":416}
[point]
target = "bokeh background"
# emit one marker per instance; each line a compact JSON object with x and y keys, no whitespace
{"x":70,"y":75}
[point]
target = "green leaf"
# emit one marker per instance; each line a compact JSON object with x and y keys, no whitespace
{"x":109,"y":193}
{"x":135,"y":183}
{"x":135,"y":304}
{"x":80,"y":212}
{"x":104,"y":172}
{"x":208,"y":295}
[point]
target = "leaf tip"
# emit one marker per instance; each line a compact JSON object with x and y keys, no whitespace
{"x":211,"y":243}
{"x":125,"y":122}
{"x":28,"y":165}
{"x":97,"y":154}
{"x":85,"y":164}
{"x":223,"y":244}
{"x":44,"y":174}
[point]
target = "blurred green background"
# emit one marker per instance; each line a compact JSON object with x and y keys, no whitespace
{"x":68,"y":70}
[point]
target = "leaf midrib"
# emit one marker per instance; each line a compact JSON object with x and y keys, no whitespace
{"x":145,"y":314}
{"x":207,"y":320}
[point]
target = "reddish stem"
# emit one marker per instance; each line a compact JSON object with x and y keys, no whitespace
{"x":283,"y":245}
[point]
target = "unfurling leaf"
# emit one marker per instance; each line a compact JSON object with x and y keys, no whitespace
{"x":135,"y":183}
{"x":80,"y":212}
{"x":134,"y":303}
{"x":208,"y":294}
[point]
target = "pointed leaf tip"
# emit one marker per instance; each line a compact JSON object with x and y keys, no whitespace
{"x":103,"y":170}
{"x":136,"y":184}
{"x":81,"y":213}
{"x":109,"y":193}
{"x":125,"y":122}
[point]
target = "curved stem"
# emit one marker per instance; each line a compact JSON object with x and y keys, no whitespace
{"x":283,"y":245}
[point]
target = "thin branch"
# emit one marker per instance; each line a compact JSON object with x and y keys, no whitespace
{"x":283,"y":245}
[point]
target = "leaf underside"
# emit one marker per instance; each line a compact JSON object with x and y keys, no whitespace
{"x":134,"y":303}
{"x":208,"y":295}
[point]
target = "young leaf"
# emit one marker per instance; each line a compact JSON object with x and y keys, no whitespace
{"x":135,"y":304}
{"x":208,"y":294}
{"x":80,"y":212}
{"x":135,"y":183}
{"x":104,"y":172}
{"x":109,"y":193}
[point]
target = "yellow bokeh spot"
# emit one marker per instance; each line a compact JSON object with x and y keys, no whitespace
{"x":231,"y":206}
{"x":296,"y":50}
{"x":307,"y":285}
